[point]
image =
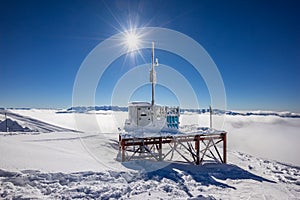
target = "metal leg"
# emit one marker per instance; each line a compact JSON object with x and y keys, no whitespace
{"x":224,"y":148}
{"x":160,"y":149}
{"x":197,"y":147}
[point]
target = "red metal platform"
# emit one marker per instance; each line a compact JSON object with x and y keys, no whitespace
{"x":194,"y":148}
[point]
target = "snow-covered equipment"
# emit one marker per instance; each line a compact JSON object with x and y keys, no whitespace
{"x":142,"y":116}
{"x":152,"y":132}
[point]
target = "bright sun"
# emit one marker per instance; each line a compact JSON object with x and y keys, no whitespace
{"x":132,"y":41}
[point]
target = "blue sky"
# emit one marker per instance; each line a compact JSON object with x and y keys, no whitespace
{"x":255,"y":44}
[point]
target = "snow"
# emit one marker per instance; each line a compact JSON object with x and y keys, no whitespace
{"x":187,"y":130}
{"x":263,"y":161}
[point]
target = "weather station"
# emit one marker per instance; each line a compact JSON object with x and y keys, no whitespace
{"x":153,"y":131}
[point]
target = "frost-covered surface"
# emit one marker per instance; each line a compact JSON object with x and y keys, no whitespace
{"x":186,"y":130}
{"x":62,"y":165}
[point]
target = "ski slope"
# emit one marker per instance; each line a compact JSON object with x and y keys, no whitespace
{"x":263,"y":161}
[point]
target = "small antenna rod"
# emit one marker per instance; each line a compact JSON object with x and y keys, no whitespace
{"x":210,"y":114}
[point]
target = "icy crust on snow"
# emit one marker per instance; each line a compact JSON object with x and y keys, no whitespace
{"x":190,"y":130}
{"x":261,"y":179}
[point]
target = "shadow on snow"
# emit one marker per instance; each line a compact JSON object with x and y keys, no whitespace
{"x":207,"y":174}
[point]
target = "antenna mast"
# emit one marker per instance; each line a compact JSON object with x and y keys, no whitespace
{"x":153,"y":76}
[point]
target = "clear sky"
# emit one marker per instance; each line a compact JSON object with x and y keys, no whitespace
{"x":255,"y":45}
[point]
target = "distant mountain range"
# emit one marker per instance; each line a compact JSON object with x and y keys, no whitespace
{"x":84,"y":109}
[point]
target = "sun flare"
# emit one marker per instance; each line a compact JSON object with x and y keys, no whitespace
{"x":132,"y":41}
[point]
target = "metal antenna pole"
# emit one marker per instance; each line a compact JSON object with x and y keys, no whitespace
{"x":153,"y":76}
{"x":210,"y":114}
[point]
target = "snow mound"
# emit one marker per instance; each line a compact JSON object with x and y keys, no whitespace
{"x":12,"y":126}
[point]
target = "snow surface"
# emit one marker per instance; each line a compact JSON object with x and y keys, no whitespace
{"x":263,"y":161}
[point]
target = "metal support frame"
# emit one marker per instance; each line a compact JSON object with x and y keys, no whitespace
{"x":191,"y":148}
